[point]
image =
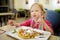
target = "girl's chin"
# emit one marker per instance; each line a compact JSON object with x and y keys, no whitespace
{"x":35,"y":19}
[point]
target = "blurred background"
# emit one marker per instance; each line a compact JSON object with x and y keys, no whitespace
{"x":19,"y":10}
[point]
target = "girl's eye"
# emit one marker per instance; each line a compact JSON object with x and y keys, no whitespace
{"x":35,"y":11}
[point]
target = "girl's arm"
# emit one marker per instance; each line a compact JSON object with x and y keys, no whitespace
{"x":13,"y":23}
{"x":26,"y":23}
{"x":47,"y":26}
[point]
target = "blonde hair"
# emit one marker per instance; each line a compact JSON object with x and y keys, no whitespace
{"x":42,"y":9}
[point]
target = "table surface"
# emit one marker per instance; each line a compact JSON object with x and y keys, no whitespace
{"x":9,"y":28}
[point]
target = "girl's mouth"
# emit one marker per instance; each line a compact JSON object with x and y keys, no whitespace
{"x":34,"y":15}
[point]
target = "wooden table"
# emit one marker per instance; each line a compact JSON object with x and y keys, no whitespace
{"x":8,"y":28}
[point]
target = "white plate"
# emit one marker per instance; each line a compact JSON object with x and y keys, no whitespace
{"x":42,"y":37}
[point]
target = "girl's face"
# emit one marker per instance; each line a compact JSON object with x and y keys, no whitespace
{"x":36,"y":12}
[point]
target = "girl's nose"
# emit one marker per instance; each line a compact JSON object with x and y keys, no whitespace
{"x":34,"y":12}
{"x":34,"y":15}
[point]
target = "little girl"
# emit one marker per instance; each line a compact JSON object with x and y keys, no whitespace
{"x":38,"y":19}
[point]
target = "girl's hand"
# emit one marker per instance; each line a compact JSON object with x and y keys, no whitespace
{"x":41,"y":23}
{"x":11,"y":22}
{"x":40,"y":20}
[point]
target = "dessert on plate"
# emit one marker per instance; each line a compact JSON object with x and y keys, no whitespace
{"x":28,"y":33}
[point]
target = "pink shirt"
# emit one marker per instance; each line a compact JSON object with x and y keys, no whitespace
{"x":29,"y":23}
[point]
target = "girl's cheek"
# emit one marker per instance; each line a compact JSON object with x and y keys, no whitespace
{"x":37,"y":15}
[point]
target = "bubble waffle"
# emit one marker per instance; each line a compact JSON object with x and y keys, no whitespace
{"x":27,"y":33}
